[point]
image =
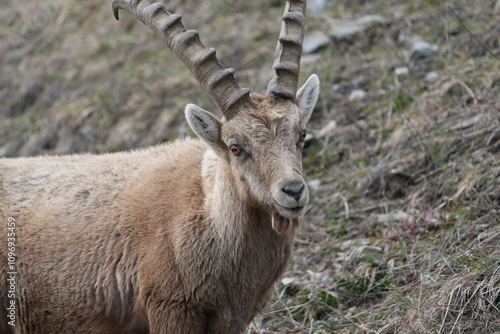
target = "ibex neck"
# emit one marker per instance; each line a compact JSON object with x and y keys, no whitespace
{"x":244,"y":246}
{"x":231,"y":217}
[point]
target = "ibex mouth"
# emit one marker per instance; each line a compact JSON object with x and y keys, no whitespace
{"x":297,"y":209}
{"x":287,"y":212}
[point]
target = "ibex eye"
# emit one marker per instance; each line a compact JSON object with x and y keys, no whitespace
{"x":303,"y":135}
{"x":236,"y":150}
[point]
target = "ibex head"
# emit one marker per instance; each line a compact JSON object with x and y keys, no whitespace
{"x":260,"y":137}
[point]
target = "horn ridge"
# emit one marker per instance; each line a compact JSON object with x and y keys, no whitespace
{"x":217,"y":81}
{"x":284,"y":80}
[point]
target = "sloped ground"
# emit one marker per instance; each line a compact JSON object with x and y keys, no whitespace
{"x":403,"y":232}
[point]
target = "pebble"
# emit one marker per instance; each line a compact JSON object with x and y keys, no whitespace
{"x":432,"y":76}
{"x":314,"y":42}
{"x":400,"y":71}
{"x":328,"y":129}
{"x":357,"y":95}
{"x":309,"y":59}
{"x":318,"y":5}
{"x":287,"y":280}
{"x":423,"y":50}
{"x":314,"y":184}
{"x":394,"y":217}
{"x":482,"y":227}
{"x":344,"y":29}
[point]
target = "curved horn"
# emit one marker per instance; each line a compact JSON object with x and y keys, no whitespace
{"x":284,"y":81}
{"x":217,"y":81}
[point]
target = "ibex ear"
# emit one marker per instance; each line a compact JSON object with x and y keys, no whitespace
{"x":307,"y":98}
{"x":205,"y":125}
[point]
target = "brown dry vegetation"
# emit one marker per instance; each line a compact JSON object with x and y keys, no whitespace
{"x":403,"y":232}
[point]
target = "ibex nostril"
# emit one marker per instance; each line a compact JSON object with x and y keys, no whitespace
{"x":295,"y":192}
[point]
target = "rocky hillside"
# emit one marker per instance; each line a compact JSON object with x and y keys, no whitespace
{"x":403,"y":161}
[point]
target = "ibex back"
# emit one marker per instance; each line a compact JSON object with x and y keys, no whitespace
{"x":181,"y":238}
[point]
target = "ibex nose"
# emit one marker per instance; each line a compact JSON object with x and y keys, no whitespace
{"x":295,"y":192}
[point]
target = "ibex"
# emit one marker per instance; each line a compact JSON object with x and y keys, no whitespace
{"x":181,"y":238}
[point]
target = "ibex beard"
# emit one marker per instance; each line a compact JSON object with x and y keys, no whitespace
{"x":181,"y":238}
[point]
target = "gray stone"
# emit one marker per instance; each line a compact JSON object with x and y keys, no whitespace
{"x":423,"y":50}
{"x":327,"y":130}
{"x":318,"y":5}
{"x":482,"y":227}
{"x":314,"y":42}
{"x":344,"y":29}
{"x":397,"y":216}
{"x":431,"y":76}
{"x":402,"y":71}
{"x":314,"y":184}
{"x":287,"y":280}
{"x":357,"y":95}
{"x":309,"y":59}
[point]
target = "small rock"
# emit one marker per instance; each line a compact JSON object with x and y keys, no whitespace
{"x":393,"y":216}
{"x":358,"y":80}
{"x":401,"y":71}
{"x":362,"y":125}
{"x":318,"y":5}
{"x":496,"y":9}
{"x":344,"y":29}
{"x":398,"y":15}
{"x":86,"y":130}
{"x":314,"y":42}
{"x":381,"y":92}
{"x":422,"y":50}
{"x":357,"y":95}
{"x":482,"y":227}
{"x":309,"y":59}
{"x":287,"y":280}
{"x":314,"y":184}
{"x":319,"y":276}
{"x":432,"y":76}
{"x":327,"y":130}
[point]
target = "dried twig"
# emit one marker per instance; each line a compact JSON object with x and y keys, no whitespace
{"x":349,"y":213}
{"x":472,"y":34}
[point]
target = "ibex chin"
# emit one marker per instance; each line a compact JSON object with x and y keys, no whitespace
{"x":181,"y":238}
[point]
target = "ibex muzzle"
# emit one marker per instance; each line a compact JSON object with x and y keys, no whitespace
{"x":181,"y":238}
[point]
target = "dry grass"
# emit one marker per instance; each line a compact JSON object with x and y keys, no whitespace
{"x":403,"y":231}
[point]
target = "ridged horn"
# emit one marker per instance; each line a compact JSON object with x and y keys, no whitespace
{"x":217,"y":81}
{"x":286,"y":67}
